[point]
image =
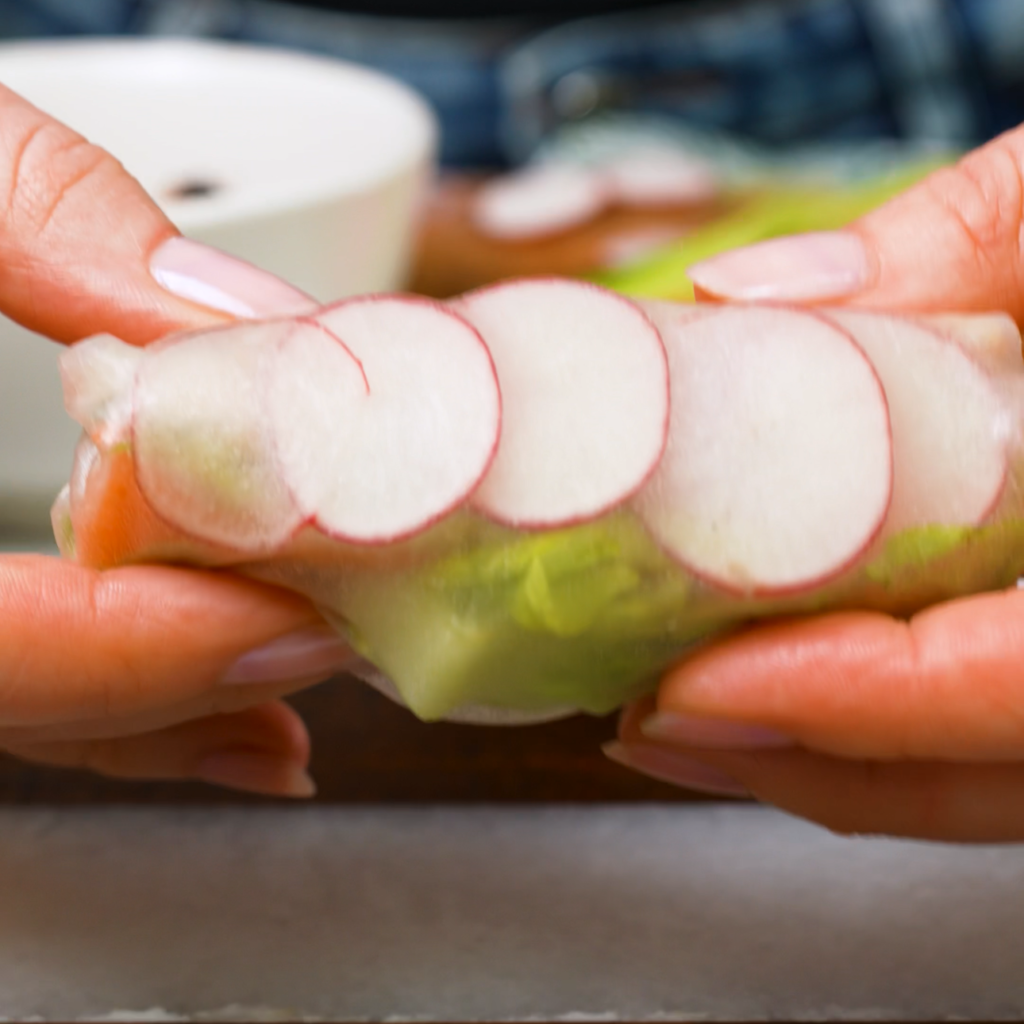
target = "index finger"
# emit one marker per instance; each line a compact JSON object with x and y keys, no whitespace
{"x":80,"y":645}
{"x":78,"y":240}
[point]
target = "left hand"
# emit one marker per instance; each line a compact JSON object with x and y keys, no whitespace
{"x":145,"y":671}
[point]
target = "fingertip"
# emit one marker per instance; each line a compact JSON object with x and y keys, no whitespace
{"x":632,"y":715}
{"x":285,"y":730}
{"x":950,"y":243}
{"x":676,"y":767}
{"x":257,"y":773}
{"x":819,"y":266}
{"x":216,"y":280}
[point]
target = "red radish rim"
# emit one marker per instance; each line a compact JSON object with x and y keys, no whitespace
{"x":190,"y":534}
{"x":537,"y":525}
{"x":316,"y":325}
{"x":794,"y":589}
{"x":695,"y":310}
{"x":947,"y":339}
{"x":380,"y":540}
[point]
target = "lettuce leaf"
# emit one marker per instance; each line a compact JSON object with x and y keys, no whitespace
{"x":584,"y":617}
{"x":947,"y":560}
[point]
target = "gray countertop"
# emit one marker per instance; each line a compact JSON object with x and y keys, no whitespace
{"x":643,"y":913}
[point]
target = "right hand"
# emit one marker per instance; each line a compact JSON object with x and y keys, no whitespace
{"x":856,"y":720}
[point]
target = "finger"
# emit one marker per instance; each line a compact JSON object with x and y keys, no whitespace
{"x":947,"y":684}
{"x":84,"y":249}
{"x":262,"y":750}
{"x":981,"y":803}
{"x":81,"y":645}
{"x":950,"y":242}
{"x":220,"y":700}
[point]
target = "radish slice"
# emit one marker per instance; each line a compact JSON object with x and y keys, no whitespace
{"x":671,"y":316}
{"x":993,"y":339}
{"x":778,"y":472}
{"x":584,"y":381}
{"x":97,"y":377}
{"x":950,"y":429}
{"x":540,"y":201}
{"x":660,"y":179}
{"x":204,"y":457}
{"x":402,"y":422}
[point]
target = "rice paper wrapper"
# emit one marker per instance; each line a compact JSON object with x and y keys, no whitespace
{"x":784,"y":485}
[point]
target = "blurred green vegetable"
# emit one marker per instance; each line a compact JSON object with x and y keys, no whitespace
{"x":766,"y":214}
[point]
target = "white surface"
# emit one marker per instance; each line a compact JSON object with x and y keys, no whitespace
{"x":323,"y":166}
{"x":640,"y":913}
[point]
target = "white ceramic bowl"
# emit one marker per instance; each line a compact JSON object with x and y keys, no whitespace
{"x":307,"y":166}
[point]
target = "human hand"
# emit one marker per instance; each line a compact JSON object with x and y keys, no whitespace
{"x":857,"y":721}
{"x":141,"y":672}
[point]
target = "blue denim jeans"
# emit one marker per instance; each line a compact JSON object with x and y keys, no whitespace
{"x":945,"y":71}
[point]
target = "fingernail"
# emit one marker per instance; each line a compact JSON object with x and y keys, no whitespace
{"x":212,"y":278}
{"x":711,"y":733}
{"x":816,"y":266}
{"x":676,"y":769}
{"x":256,"y":773}
{"x":308,"y":652}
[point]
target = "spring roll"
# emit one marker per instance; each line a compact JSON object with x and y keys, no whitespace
{"x":532,"y":500}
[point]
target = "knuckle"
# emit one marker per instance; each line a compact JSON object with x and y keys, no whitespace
{"x":983,"y":197}
{"x":46,"y":164}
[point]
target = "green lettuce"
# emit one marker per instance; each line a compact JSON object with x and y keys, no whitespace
{"x":933,"y":562}
{"x":588,"y":617}
{"x":584,"y":617}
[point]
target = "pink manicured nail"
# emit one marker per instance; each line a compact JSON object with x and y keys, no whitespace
{"x":307,"y":653}
{"x":816,"y":266}
{"x":212,"y":278}
{"x":711,"y":733}
{"x":668,"y":766}
{"x":256,"y":773}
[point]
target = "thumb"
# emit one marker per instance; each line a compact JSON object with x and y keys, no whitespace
{"x":84,"y":249}
{"x":952,"y":242}
{"x":141,"y":643}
